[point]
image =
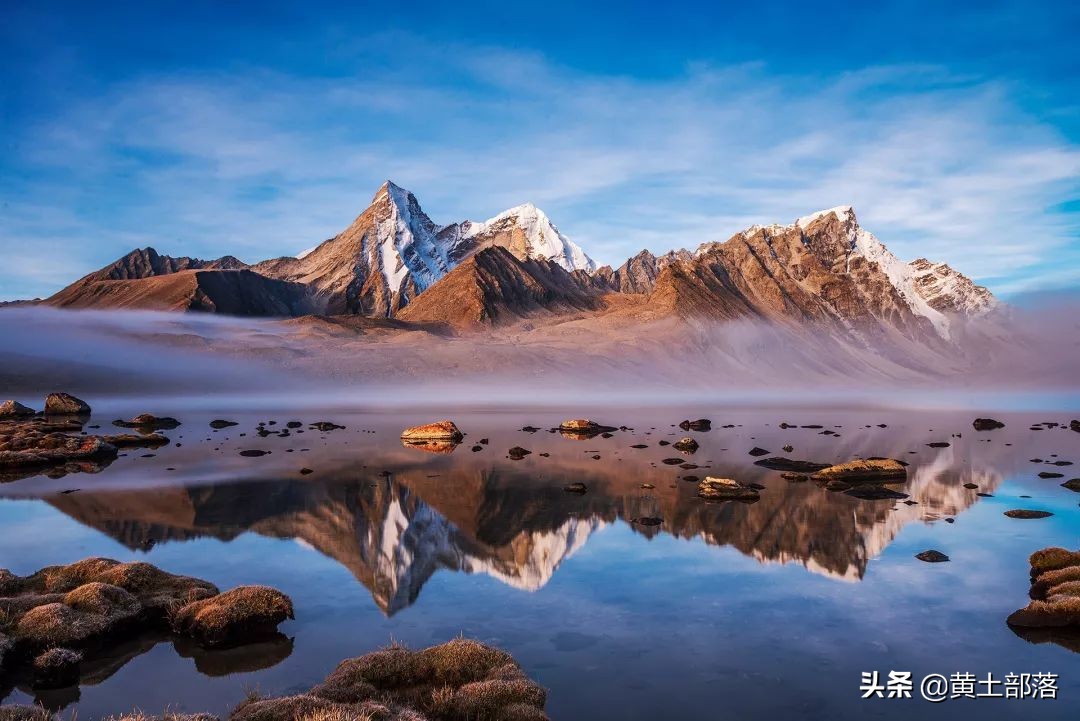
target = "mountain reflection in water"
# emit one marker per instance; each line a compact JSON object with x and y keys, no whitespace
{"x":394,"y":532}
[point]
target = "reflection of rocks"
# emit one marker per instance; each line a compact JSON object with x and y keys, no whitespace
{"x":431,"y":446}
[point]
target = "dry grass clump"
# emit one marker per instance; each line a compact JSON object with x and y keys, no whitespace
{"x":102,"y":599}
{"x":1055,"y":591}
{"x":167,"y":716}
{"x":234,"y":615}
{"x":24,"y":713}
{"x":55,"y":624}
{"x":461,"y":680}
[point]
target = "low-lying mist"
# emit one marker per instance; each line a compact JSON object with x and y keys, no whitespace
{"x":1026,"y":357}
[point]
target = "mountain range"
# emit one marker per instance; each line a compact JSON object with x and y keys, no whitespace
{"x":393,"y":261}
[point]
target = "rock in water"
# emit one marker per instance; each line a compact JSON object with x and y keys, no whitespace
{"x":517,"y":453}
{"x":14,"y":409}
{"x":575,"y":488}
{"x":932,"y":556}
{"x":1073,"y":484}
{"x":1074,"y":426}
{"x":1026,"y":513}
{"x":863,"y":471}
{"x":438,"y":431}
{"x":1050,"y":474}
{"x":987,"y":424}
{"x":64,"y":404}
{"x":726,"y":489}
{"x":146,"y":421}
{"x":700,"y":425}
{"x":221,"y":423}
{"x":582,"y":429}
{"x":130,"y":440}
{"x":756,"y":451}
{"x":686,"y":445}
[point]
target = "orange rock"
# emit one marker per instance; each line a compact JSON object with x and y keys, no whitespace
{"x":439,"y":431}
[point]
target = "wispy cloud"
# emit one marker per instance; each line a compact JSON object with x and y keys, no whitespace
{"x":259,"y":164}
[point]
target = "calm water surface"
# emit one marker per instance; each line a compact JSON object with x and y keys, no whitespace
{"x":732,"y":610}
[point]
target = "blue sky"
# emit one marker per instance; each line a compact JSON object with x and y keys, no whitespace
{"x":209,"y":128}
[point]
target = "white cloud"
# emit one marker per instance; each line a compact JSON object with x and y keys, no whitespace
{"x":262,"y":164}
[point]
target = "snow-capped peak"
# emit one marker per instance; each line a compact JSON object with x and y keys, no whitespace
{"x":542,"y":238}
{"x":406,"y":241}
{"x":842,"y":212}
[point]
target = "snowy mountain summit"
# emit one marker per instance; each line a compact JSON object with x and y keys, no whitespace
{"x":393,"y":251}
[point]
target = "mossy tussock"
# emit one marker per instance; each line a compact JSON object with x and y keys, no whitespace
{"x":462,"y":680}
{"x":47,"y":619}
{"x":1054,"y":592}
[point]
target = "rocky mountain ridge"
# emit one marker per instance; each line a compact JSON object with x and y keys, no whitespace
{"x":394,"y":261}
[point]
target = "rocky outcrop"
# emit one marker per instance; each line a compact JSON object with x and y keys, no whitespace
{"x":36,"y":445}
{"x":639,"y":273}
{"x":14,"y":409}
{"x":948,"y":291}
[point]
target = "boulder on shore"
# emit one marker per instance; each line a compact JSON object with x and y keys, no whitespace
{"x":870,"y":470}
{"x":726,"y":489}
{"x":437,"y":431}
{"x":65,"y":404}
{"x":14,"y":409}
